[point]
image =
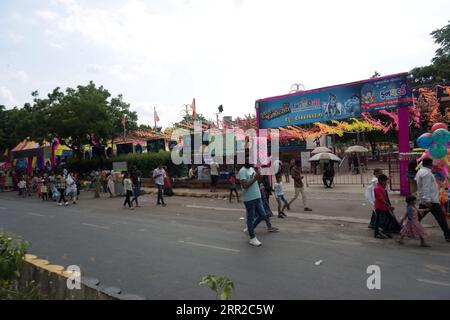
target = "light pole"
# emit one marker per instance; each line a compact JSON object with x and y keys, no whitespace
{"x":296,"y":87}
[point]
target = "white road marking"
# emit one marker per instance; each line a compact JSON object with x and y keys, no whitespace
{"x":96,"y":226}
{"x":119,"y":222}
{"x":305,"y":216}
{"x":215,"y":208}
{"x":35,"y":214}
{"x":209,"y":246}
{"x":438,"y":283}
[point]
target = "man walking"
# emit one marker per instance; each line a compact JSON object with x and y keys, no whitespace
{"x":428,"y":194}
{"x":158,"y":177}
{"x":136,"y":180}
{"x":214,"y":166}
{"x":286,"y":170}
{"x":71,"y":188}
{"x":253,"y":203}
{"x":296,"y":173}
{"x":61,"y":186}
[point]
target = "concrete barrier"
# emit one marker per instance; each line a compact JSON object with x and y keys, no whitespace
{"x":51,"y":281}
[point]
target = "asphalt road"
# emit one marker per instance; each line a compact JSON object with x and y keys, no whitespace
{"x":162,"y":253}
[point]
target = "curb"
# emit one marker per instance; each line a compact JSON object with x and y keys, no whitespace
{"x":98,"y":291}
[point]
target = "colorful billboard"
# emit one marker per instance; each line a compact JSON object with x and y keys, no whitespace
{"x":335,"y":103}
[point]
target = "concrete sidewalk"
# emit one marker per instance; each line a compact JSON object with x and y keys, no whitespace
{"x":339,"y":192}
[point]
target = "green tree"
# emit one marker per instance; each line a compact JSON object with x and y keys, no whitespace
{"x":85,"y":115}
{"x":439,"y":69}
{"x":188,"y":120}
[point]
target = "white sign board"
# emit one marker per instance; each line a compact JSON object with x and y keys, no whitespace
{"x":305,"y":156}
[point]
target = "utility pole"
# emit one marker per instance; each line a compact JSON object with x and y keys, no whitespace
{"x":154,"y":117}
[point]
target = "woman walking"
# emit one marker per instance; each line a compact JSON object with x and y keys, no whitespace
{"x":111,"y":185}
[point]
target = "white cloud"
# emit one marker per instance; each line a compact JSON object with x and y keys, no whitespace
{"x":47,"y":15}
{"x":20,"y":76}
{"x":94,"y":68}
{"x":16,"y":38}
{"x":56,"y":45}
{"x":6,"y":97}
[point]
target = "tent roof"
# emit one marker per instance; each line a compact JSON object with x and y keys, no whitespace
{"x":28,"y":145}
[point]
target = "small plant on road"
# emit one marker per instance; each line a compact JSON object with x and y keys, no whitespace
{"x":222,"y":286}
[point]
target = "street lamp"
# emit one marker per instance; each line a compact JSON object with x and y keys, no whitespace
{"x":296,"y":87}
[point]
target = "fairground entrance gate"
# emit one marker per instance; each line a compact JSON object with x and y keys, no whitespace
{"x":342,"y":102}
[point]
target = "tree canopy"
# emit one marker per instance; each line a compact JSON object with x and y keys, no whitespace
{"x":85,"y":115}
{"x":439,"y":69}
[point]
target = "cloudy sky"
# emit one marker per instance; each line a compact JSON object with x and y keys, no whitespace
{"x":163,"y":53}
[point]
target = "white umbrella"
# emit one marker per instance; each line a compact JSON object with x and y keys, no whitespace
{"x":324,"y":156}
{"x":321,"y":150}
{"x":356,"y":149}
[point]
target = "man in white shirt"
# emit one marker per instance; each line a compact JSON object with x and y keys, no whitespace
{"x":71,"y":187}
{"x":214,"y":175}
{"x":428,"y":194}
{"x":158,"y":177}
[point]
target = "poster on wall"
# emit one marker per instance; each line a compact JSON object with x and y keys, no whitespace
{"x":335,"y":103}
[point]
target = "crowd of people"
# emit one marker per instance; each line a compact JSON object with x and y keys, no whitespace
{"x":428,"y":191}
{"x":63,"y":186}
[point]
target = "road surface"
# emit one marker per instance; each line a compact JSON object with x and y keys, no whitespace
{"x":162,"y":253}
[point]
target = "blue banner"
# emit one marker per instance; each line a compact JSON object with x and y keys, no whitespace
{"x":335,"y":103}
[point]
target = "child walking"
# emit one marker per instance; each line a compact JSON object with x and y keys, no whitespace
{"x":44,"y":191}
{"x":22,"y":186}
{"x":232,"y":181}
{"x":412,"y":228}
{"x":282,"y":202}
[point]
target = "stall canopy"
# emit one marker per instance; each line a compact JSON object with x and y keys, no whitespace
{"x":28,"y":148}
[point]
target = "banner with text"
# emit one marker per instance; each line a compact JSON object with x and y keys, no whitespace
{"x":335,"y":103}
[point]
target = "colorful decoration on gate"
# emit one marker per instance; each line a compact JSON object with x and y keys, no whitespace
{"x":377,"y":123}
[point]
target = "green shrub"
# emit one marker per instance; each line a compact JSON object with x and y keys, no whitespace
{"x":145,"y":162}
{"x":12,"y":252}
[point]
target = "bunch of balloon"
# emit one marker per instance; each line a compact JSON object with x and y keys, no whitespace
{"x":437,"y":144}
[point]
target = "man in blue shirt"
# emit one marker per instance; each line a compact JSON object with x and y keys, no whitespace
{"x":252,"y":200}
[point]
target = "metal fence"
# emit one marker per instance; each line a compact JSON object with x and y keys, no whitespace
{"x":394,"y":171}
{"x":347,"y":174}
